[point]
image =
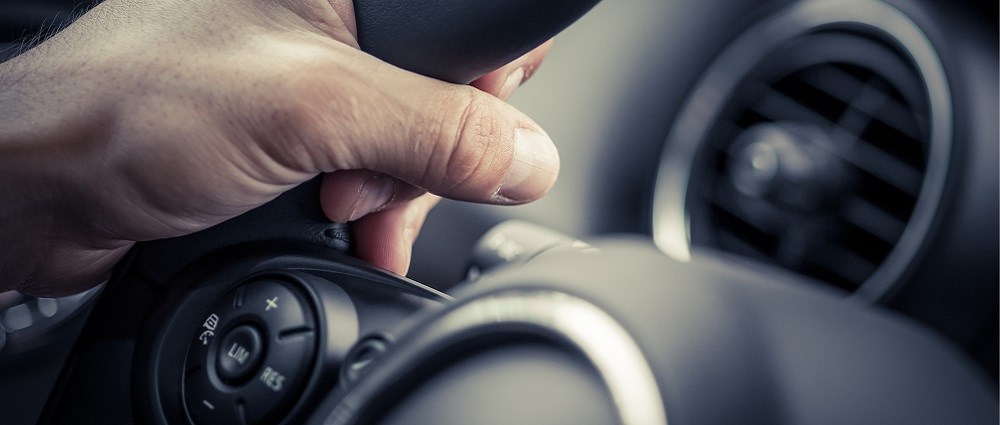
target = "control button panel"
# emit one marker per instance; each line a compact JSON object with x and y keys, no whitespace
{"x":250,"y":355}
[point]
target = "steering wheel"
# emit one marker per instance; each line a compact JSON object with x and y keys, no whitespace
{"x":266,"y":318}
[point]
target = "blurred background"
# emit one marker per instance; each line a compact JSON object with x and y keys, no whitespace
{"x":852,"y":142}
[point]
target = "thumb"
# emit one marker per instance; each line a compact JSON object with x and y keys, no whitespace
{"x":454,"y":141}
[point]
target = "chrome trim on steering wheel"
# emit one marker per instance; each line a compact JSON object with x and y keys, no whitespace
{"x":562,"y":318}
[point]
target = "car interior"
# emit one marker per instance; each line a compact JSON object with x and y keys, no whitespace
{"x":768,"y":211}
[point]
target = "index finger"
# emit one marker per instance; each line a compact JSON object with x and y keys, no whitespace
{"x":502,"y":82}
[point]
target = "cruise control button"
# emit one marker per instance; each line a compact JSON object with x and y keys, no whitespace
{"x":275,"y":303}
{"x":206,"y":405}
{"x":280,"y":377}
{"x":17,"y":317}
{"x":239,"y":354}
{"x":48,"y":306}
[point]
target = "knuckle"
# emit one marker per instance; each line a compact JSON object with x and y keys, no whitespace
{"x":295,"y":132}
{"x":468,"y":139}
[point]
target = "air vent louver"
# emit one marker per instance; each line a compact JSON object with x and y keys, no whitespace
{"x":870,"y":130}
{"x":817,"y":141}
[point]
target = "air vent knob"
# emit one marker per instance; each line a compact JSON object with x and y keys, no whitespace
{"x":788,"y":164}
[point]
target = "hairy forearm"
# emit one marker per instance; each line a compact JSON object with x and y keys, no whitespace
{"x":23,"y":206}
{"x":44,"y":223}
{"x":27,"y":220}
{"x":45,"y":149}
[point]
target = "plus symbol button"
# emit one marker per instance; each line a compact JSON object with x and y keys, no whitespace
{"x":271,"y":304}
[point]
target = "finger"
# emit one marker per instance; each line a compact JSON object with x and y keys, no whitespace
{"x":385,"y":238}
{"x":502,"y":82}
{"x":348,"y":195}
{"x":452,"y":140}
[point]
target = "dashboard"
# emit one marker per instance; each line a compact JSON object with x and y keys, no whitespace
{"x":622,"y":107}
{"x":851,"y":142}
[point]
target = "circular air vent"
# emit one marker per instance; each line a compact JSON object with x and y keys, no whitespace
{"x":818,"y":141}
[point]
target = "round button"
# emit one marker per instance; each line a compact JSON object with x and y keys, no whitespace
{"x":239,"y":354}
{"x":365,"y":353}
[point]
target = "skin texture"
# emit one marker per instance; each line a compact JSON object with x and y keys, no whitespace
{"x":149,"y":119}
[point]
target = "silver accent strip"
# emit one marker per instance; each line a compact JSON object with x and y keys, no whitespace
{"x":573,"y":321}
{"x":671,"y":226}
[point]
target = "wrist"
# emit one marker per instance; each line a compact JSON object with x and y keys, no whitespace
{"x":44,"y":154}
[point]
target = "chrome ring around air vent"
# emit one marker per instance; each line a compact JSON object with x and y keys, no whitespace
{"x":559,"y":317}
{"x":871,"y":19}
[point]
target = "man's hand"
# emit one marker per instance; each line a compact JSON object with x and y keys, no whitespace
{"x":153,"y":119}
